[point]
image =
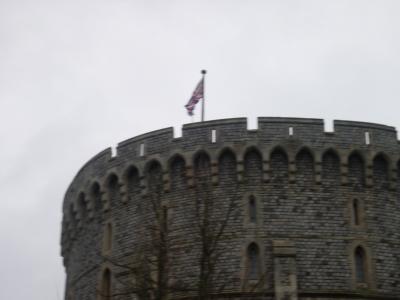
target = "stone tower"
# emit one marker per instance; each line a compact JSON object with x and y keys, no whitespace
{"x":302,"y":213}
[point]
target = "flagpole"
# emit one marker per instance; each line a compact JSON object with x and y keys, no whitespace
{"x":203,"y":72}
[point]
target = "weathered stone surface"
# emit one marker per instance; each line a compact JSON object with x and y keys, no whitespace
{"x":304,"y":185}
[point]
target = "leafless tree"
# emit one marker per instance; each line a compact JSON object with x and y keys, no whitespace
{"x":144,"y":275}
{"x":213,"y":219}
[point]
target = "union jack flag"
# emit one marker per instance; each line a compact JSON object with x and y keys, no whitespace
{"x":197,"y":95}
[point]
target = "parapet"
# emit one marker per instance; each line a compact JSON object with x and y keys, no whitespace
{"x":271,"y":131}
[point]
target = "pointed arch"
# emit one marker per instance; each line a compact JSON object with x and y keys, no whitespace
{"x":253,"y":165}
{"x":360,"y":265}
{"x":279,"y":164}
{"x":305,"y":166}
{"x":202,"y":165}
{"x":356,"y":170}
{"x":132,"y":181}
{"x":253,"y":263}
{"x":227,"y":167}
{"x":95,"y":196}
{"x":330,"y":168}
{"x":112,"y":188}
{"x":380,"y":171}
{"x":105,"y":285}
{"x":154,"y":173}
{"x":177,"y":171}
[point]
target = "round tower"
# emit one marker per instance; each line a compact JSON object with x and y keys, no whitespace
{"x":286,"y":211}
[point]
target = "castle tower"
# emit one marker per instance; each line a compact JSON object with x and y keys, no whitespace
{"x":285,"y":212}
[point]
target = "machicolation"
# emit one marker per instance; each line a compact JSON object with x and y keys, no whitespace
{"x":288,"y":211}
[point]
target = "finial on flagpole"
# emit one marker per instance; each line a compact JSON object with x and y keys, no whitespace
{"x":203,"y":72}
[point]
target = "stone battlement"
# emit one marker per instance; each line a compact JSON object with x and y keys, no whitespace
{"x":346,"y":134}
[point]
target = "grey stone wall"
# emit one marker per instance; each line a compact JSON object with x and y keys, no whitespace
{"x":303,"y":183}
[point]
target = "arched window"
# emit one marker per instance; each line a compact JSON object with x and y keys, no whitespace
{"x":132,"y":180}
{"x":202,"y":167}
{"x":154,"y":177}
{"x":95,"y":196}
{"x":330,"y":169}
{"x":113,"y":188}
{"x":177,"y":171}
{"x":252,"y":209}
{"x":107,"y":238}
{"x":227,"y":168}
{"x":381,"y":171}
{"x":105,"y":287}
{"x":356,"y":212}
{"x":356,"y":174}
{"x":305,"y":167}
{"x":279,"y":167}
{"x":253,"y":167}
{"x":360,"y":265}
{"x":253,"y":262}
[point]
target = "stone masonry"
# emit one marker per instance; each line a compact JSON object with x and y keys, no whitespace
{"x":317,"y":214}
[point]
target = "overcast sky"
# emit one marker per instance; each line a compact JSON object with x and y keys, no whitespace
{"x":79,"y":76}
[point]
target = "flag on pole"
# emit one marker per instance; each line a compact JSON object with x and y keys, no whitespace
{"x":197,"y":95}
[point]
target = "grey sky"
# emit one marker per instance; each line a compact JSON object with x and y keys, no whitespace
{"x":79,"y":76}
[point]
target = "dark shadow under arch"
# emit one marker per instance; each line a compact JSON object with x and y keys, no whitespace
{"x":153,"y":173}
{"x":253,"y":166}
{"x":380,"y":171}
{"x":279,"y":165}
{"x":305,"y":167}
{"x":227,"y":167}
{"x":95,"y":196}
{"x":356,"y":170}
{"x":330,"y":172}
{"x":177,"y":171}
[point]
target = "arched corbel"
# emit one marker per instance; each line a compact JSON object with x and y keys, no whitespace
{"x":104,"y":200}
{"x":166,"y":181}
{"x":292,"y":166}
{"x":344,"y":169}
{"x":393,"y":178}
{"x":214,"y":171}
{"x":266,"y":169}
{"x":318,"y":167}
{"x":189,"y":174}
{"x":240,"y":170}
{"x":123,"y":191}
{"x":392,"y":174}
{"x":369,"y":164}
{"x":142,"y":184}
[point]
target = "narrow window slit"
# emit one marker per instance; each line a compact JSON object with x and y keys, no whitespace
{"x":360,"y":265}
{"x":252,"y":210}
{"x":253,"y":256}
{"x":356,"y":212}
